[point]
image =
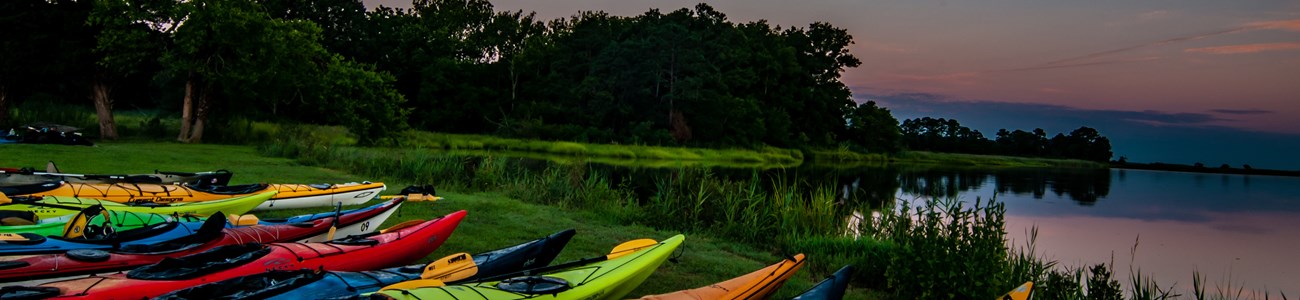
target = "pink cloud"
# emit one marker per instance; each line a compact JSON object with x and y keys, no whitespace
{"x":962,"y":78}
{"x":1290,"y":25}
{"x":1245,"y":48}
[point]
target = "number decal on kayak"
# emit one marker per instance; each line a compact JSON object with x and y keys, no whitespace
{"x":365,"y":226}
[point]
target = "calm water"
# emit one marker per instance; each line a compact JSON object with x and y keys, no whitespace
{"x":1243,"y":230}
{"x":1237,"y":230}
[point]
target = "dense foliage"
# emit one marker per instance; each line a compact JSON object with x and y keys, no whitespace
{"x":948,"y":135}
{"x":686,"y":77}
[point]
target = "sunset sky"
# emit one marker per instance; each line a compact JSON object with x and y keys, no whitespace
{"x":1171,"y":81}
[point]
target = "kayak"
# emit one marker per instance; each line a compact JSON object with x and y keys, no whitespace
{"x":50,"y":207}
{"x":755,"y":285}
{"x":293,"y":196}
{"x":315,"y":284}
{"x":28,"y":243}
{"x":831,"y":288}
{"x":354,"y":253}
{"x":11,"y":177}
{"x":600,"y":279}
{"x":36,"y":269}
{"x":120,"y":220}
{"x":1022,"y":292}
{"x":290,"y":195}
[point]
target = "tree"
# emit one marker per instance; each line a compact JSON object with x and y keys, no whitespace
{"x":873,"y":128}
{"x":131,"y":35}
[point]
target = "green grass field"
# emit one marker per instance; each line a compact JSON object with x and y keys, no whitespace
{"x":494,"y":220}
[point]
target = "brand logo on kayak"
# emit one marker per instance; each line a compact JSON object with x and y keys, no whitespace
{"x":431,"y":240}
{"x":365,"y":194}
{"x":458,"y":258}
{"x":162,"y":199}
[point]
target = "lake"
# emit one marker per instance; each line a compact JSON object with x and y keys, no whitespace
{"x":1236,"y":230}
{"x":1242,"y":230}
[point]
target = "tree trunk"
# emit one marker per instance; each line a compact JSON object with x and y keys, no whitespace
{"x":200,"y":116}
{"x":4,"y":105}
{"x":187,"y":109}
{"x":104,"y":108}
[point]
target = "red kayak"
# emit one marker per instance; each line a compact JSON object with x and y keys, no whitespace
{"x":396,"y":246}
{"x":37,"y":269}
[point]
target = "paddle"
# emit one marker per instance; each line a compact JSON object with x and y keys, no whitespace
{"x":458,"y":268}
{"x":335,"y":225}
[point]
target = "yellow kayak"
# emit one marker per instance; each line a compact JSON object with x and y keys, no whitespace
{"x":288,"y":196}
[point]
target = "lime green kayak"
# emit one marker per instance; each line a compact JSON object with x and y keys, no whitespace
{"x":121,"y":221}
{"x":605,"y":279}
{"x":51,"y":207}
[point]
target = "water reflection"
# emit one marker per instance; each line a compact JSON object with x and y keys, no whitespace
{"x":1244,"y":226}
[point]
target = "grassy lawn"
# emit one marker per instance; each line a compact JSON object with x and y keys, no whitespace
{"x":494,"y":220}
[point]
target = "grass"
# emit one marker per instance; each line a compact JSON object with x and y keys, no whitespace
{"x":496,"y":218}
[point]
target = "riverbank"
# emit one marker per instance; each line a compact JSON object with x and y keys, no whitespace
{"x":1203,"y":169}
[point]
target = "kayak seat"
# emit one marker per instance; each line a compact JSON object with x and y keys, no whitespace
{"x":231,"y":189}
{"x":200,"y":264}
{"x":17,"y":217}
{"x":28,"y":239}
{"x":142,"y":179}
{"x":536,"y":284}
{"x":13,"y":264}
{"x":87,"y":255}
{"x":355,"y":240}
{"x":29,"y":188}
{"x":210,"y":230}
{"x":28,"y":292}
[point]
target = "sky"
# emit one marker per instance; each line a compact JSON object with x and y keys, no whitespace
{"x":1178,"y":81}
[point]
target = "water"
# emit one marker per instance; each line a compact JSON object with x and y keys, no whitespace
{"x":1237,"y":230}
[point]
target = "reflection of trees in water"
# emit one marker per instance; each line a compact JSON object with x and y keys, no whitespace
{"x":940,"y":183}
{"x":871,"y":188}
{"x":1084,"y":186}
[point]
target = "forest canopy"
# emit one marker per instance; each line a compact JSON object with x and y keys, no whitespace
{"x":689,"y":77}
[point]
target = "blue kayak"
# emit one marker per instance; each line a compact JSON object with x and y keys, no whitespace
{"x":316,"y":284}
{"x":832,"y":288}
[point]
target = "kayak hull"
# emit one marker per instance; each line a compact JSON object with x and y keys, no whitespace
{"x":36,"y":269}
{"x":755,"y":285}
{"x":394,"y":248}
{"x":308,"y":284}
{"x":58,"y":206}
{"x":831,"y":288}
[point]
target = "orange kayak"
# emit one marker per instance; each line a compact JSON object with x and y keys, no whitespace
{"x":756,"y":285}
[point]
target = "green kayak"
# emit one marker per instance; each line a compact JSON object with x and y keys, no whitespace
{"x":120,"y":220}
{"x":51,"y":207}
{"x":588,"y":279}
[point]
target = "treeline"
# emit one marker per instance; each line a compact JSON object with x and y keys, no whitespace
{"x":686,"y":77}
{"x":948,"y":135}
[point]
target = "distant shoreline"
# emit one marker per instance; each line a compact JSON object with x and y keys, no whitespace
{"x":1202,"y":169}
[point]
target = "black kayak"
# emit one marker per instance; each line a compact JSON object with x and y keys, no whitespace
{"x":316,"y":284}
{"x":26,"y":176}
{"x":832,"y":288}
